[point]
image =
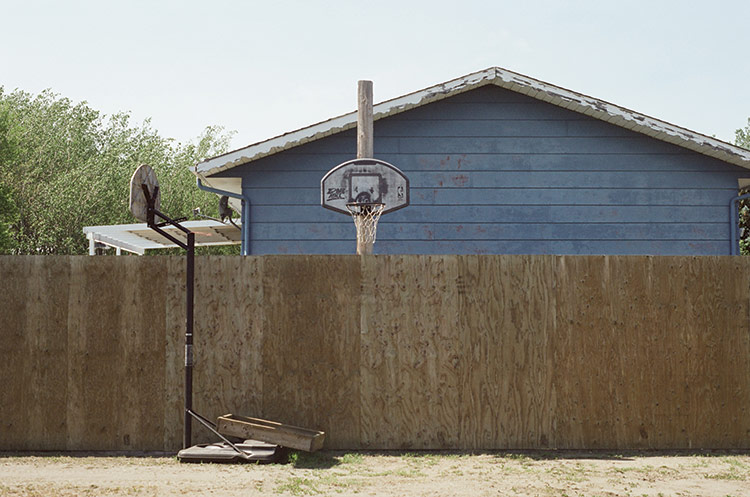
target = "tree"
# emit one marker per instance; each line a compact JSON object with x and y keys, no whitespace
{"x":8,"y":209}
{"x":68,"y":166}
{"x":742,"y":136}
{"x":8,"y":216}
{"x":742,"y":139}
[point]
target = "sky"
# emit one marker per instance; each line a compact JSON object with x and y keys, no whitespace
{"x":266,"y":68}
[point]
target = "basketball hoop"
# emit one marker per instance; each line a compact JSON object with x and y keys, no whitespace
{"x":365,"y":215}
{"x":365,"y":189}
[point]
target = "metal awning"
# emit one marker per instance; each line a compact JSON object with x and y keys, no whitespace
{"x":138,"y":238}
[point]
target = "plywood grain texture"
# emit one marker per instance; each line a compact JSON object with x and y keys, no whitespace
{"x":94,"y":344}
{"x":14,"y":368}
{"x":410,"y":353}
{"x":116,"y":354}
{"x":311,"y":344}
{"x":507,"y":309}
{"x":228,"y":338}
{"x":174,"y":353}
{"x":33,"y":348}
{"x":380,"y":352}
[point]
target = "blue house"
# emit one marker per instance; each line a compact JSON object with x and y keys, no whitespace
{"x":498,"y":163}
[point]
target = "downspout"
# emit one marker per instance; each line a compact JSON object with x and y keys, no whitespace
{"x":245,"y":248}
{"x":733,"y":224}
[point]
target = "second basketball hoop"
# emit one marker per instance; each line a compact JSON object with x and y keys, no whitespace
{"x":365,"y":189}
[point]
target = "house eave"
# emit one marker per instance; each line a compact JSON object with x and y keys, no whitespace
{"x":503,"y":78}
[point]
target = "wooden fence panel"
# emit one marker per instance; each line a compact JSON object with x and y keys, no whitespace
{"x":227,"y":377}
{"x":311,"y":344}
{"x":507,"y":313}
{"x":115,"y":354}
{"x":388,"y":352}
{"x":33,"y":352}
{"x":410,"y":352}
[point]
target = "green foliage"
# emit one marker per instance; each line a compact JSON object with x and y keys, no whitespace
{"x":68,"y":166}
{"x":742,"y":139}
{"x":8,"y":209}
{"x":8,"y":216}
{"x":742,"y":136}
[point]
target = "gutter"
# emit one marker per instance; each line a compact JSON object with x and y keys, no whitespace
{"x":245,"y":248}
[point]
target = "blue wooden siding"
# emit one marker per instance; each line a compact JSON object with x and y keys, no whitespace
{"x":492,"y":171}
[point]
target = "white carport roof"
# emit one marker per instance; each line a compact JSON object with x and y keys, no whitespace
{"x":138,"y":238}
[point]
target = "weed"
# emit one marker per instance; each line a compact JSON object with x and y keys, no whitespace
{"x":410,"y":473}
{"x":352,"y":458}
{"x":314,"y":460}
{"x":727,"y":475}
{"x":298,"y":485}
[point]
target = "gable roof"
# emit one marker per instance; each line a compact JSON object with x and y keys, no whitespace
{"x":503,"y":78}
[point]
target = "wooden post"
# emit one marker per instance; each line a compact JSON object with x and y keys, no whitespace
{"x":364,"y":120}
{"x":364,"y":140}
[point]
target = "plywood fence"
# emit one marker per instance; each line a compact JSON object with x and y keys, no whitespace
{"x":381,"y":352}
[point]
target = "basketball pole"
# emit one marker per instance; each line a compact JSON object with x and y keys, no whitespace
{"x":189,"y":247}
{"x":365,"y":148}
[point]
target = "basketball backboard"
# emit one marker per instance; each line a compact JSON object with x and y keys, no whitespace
{"x":144,"y":175}
{"x":364,"y":181}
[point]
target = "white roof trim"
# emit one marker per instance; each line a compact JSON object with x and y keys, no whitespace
{"x":503,"y":78}
{"x":138,"y":238}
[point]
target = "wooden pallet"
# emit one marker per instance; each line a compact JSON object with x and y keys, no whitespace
{"x":293,"y":437}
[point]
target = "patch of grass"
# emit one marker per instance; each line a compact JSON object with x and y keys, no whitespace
{"x":727,"y":475}
{"x":421,"y":459}
{"x":320,"y":484}
{"x":312,"y":460}
{"x":410,"y":473}
{"x":352,"y":458}
{"x":513,"y":456}
{"x":734,"y":462}
{"x":297,"y":485}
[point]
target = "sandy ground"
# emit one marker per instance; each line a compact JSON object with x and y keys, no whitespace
{"x":385,"y":474}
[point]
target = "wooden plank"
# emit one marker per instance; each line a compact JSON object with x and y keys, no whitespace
{"x":469,"y":160}
{"x":709,"y":366}
{"x":516,"y":214}
{"x":498,"y":231}
{"x":228,"y":337}
{"x":410,"y":357}
{"x":14,"y":365}
{"x":46,"y":352}
{"x":289,"y":436}
{"x":531,"y":179}
{"x":642,"y":355}
{"x":94,"y":342}
{"x":479,"y":110}
{"x":497,"y":247}
{"x":311,"y":344}
{"x":522,"y":145}
{"x":581,"y":351}
{"x":174,"y":354}
{"x":497,"y":127}
{"x":507,"y":315}
{"x":519,"y":196}
{"x":142,"y":358}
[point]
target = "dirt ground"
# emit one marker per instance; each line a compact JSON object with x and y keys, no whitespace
{"x":385,"y":474}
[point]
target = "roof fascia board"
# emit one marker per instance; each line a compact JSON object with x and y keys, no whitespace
{"x":342,"y":123}
{"x":625,"y":118}
{"x":509,"y":80}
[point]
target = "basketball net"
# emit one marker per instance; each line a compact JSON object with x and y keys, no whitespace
{"x":365,"y":215}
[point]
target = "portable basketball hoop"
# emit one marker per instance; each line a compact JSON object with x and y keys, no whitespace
{"x":365,"y":189}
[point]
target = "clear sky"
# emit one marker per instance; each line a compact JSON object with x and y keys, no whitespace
{"x":266,"y":68}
